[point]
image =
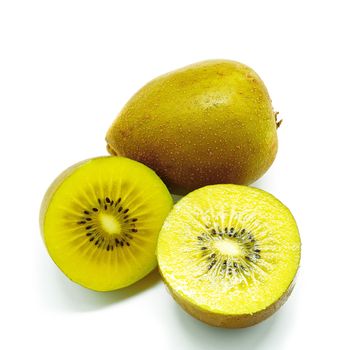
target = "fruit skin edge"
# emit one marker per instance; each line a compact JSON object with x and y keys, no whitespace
{"x":229,"y":321}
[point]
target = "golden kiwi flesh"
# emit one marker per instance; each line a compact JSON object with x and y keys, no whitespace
{"x":100,"y":221}
{"x":229,"y":254}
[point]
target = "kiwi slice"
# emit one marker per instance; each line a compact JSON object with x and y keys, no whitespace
{"x":100,"y":221}
{"x":229,"y":254}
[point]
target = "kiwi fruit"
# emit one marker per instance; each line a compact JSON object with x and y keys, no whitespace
{"x":207,"y":123}
{"x":100,"y":221}
{"x":229,"y":254}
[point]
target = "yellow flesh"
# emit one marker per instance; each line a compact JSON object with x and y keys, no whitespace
{"x":185,"y":267}
{"x":93,"y":266}
{"x":227,"y":247}
{"x":110,"y":224}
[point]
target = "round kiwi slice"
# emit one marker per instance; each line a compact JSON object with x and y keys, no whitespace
{"x":229,"y":254}
{"x":100,"y":221}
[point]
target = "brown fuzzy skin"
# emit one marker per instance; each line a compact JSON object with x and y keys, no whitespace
{"x":211,"y":122}
{"x":231,"y":321}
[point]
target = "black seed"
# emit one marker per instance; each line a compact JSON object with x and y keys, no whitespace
{"x":235,"y":235}
{"x":213,"y":232}
{"x":126,"y":210}
{"x":230,"y":234}
{"x":92,"y":238}
{"x":97,"y":242}
{"x":243,"y":232}
{"x":99,"y":200}
{"x":126,"y":216}
{"x":111,"y":247}
{"x":116,"y":241}
{"x":88,"y":227}
{"x":108,"y":200}
{"x":134,"y":230}
{"x":209,"y":267}
{"x":88,"y":219}
{"x":226,"y":229}
{"x":122,"y":244}
{"x":235,"y":265}
{"x":225,"y":262}
{"x":107,"y":248}
{"x":89,"y":234}
{"x":82,"y":222}
{"x":231,"y":229}
{"x":242,"y":267}
{"x":112,"y":202}
{"x":248,"y":258}
{"x":257,"y":256}
{"x":200,"y":238}
{"x":118,"y":201}
{"x":213,"y":255}
{"x":105,"y":206}
{"x":120,"y":209}
{"x":86,"y":212}
{"x":95,"y":209}
{"x":213,"y":262}
{"x":128,"y":244}
{"x":257,"y":250}
{"x":204,"y":248}
{"x":134,"y":220}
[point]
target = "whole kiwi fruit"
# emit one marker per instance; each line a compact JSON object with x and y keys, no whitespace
{"x":207,"y":123}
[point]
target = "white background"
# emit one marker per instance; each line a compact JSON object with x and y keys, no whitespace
{"x":67,"y":68}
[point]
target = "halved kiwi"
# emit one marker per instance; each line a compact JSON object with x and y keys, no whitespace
{"x":229,"y":254}
{"x":100,"y":221}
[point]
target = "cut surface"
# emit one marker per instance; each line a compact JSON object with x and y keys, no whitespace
{"x":229,"y":250}
{"x":100,"y":221}
{"x":110,"y":224}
